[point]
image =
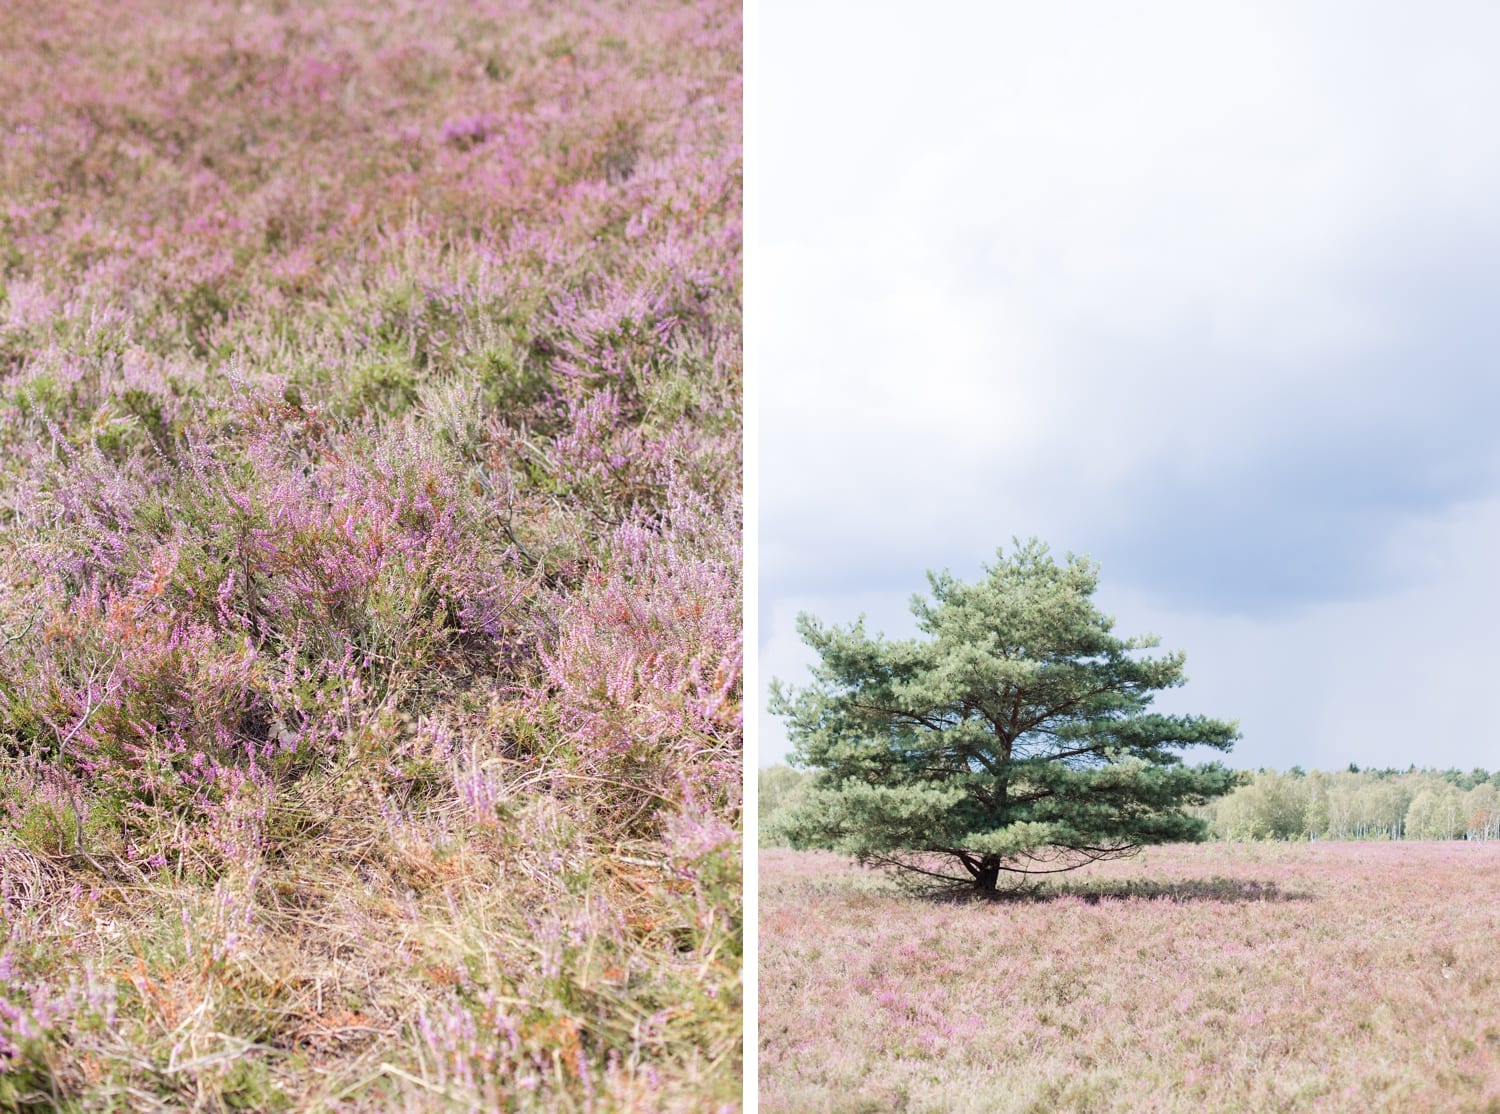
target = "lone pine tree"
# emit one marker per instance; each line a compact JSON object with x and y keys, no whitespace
{"x":1016,"y":737}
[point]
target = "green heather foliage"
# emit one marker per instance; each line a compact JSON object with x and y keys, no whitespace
{"x":1016,"y":737}
{"x":370,"y":656}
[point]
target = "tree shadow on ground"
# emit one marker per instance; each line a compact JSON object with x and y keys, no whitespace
{"x":1175,"y":891}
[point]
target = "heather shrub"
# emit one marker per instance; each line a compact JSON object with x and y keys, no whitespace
{"x":245,"y":610}
{"x":369,"y":553}
{"x":36,"y":1016}
{"x":645,"y":672}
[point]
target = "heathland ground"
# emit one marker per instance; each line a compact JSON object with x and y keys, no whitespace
{"x":370,"y":555}
{"x":1211,"y":977}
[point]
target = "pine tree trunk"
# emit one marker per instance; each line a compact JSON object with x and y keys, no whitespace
{"x":988,"y":876}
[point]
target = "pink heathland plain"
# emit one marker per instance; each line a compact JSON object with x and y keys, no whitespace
{"x":1207,"y":977}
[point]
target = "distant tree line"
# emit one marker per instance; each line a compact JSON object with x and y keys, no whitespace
{"x":1351,"y":804}
{"x":1358,"y":804}
{"x":778,"y":788}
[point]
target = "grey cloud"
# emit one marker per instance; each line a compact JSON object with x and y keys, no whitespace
{"x":1238,"y":337}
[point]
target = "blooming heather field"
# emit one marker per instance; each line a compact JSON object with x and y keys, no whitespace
{"x":370,"y":655}
{"x":1211,"y":977}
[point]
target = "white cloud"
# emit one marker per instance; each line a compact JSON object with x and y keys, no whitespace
{"x":1212,"y":282}
{"x":1033,"y":176}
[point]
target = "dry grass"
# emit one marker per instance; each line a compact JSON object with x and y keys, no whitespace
{"x":358,"y":970}
{"x":1219,"y":977}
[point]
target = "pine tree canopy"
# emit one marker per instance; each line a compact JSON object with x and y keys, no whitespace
{"x":1015,"y":736}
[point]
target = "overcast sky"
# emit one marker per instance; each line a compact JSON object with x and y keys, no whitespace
{"x":1208,"y":292}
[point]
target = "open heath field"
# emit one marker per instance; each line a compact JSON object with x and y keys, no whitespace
{"x":1210,"y":977}
{"x":370,"y":549}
